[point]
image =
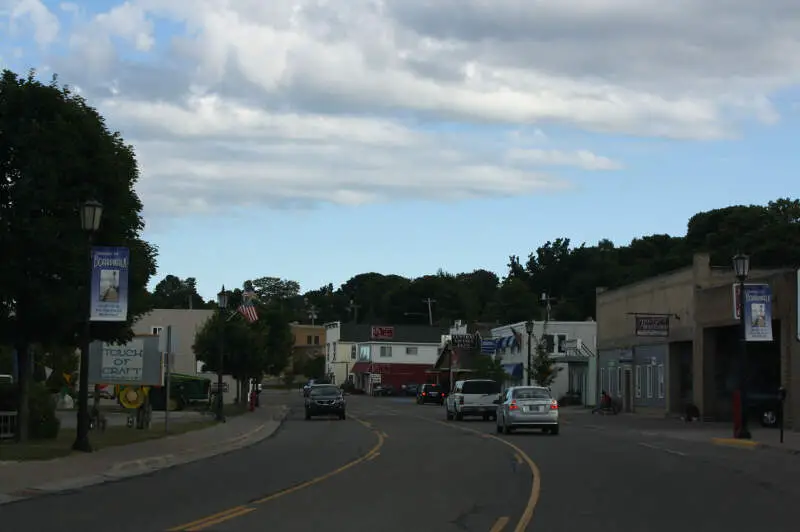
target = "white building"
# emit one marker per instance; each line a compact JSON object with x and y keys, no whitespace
{"x":572,"y":346}
{"x":339,"y":355}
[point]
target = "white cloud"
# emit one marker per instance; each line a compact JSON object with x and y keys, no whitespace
{"x":45,"y":24}
{"x":300,"y":101}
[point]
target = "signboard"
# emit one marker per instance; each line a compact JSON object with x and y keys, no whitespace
{"x":382,"y":333}
{"x":465,"y":341}
{"x":109,"y":284}
{"x":651,"y":325}
{"x":737,"y":304}
{"x":757,"y":312}
{"x":136,"y":363}
{"x":215,"y":387}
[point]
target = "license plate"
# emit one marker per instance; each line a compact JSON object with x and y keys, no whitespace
{"x":533,"y":409}
{"x":434,"y":394}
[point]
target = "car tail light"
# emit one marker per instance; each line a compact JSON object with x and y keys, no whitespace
{"x":461,"y":400}
{"x":424,"y":394}
{"x":513,"y":406}
{"x":554,"y":405}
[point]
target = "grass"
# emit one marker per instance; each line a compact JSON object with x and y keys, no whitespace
{"x":111,"y":437}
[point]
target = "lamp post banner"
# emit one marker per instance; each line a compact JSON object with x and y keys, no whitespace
{"x":758,"y":313}
{"x":109,"y":290}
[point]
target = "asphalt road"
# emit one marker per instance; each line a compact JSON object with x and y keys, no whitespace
{"x":400,"y":466}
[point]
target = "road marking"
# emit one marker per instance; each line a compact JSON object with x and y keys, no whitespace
{"x":210,"y":518}
{"x":384,"y":435}
{"x":518,"y":458}
{"x":536,"y":488}
{"x":735,"y":442}
{"x":206,"y":524}
{"x":499,"y":525}
{"x":238,"y":511}
{"x":658,"y":448}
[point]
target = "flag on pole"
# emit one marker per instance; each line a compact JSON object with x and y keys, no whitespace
{"x":247,"y":309}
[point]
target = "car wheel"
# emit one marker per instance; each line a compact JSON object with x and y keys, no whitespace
{"x":308,"y":416}
{"x":449,"y":416}
{"x":459,"y":416}
{"x":769,"y":418}
{"x":343,"y":416}
{"x":554,"y":431}
{"x":499,"y":428}
{"x":506,"y":428}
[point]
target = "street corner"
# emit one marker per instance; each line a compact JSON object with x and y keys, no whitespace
{"x":737,"y":443}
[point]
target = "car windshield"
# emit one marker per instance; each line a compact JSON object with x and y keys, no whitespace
{"x":531,"y":393}
{"x":324,"y":391}
{"x":480,"y":387}
{"x":433,"y":388}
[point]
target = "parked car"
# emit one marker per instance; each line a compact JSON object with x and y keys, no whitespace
{"x":474,"y":397}
{"x":430,"y":393}
{"x":382,"y":390}
{"x":527,"y":407}
{"x":325,"y":400}
{"x":411,"y":389}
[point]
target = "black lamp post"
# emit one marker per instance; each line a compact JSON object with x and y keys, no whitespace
{"x":222,"y":303}
{"x":529,"y":330}
{"x":91,"y":212}
{"x":741,"y":266}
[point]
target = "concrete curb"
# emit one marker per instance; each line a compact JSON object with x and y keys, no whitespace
{"x":152,"y":464}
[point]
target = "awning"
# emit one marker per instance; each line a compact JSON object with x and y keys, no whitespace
{"x":489,"y":347}
{"x":505,"y":341}
{"x":360,"y":367}
{"x":514,"y":370}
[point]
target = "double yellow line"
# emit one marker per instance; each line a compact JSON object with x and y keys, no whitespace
{"x":238,"y":511}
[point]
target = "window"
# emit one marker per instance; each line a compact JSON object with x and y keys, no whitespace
{"x":316,"y":340}
{"x":549,"y":343}
{"x":480,"y":388}
{"x":531,"y":393}
{"x":411,"y":350}
{"x":638,"y":384}
{"x":157,"y":331}
{"x":353,"y":352}
{"x":328,"y":350}
{"x":661,"y":386}
{"x":308,"y":339}
{"x":649,"y":383}
{"x":619,"y":381}
{"x":562,"y":343}
{"x":386,"y":350}
{"x":333,"y":348}
{"x":363,"y":352}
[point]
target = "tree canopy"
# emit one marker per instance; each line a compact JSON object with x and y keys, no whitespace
{"x":568,"y":273}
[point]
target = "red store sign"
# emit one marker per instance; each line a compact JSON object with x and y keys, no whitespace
{"x":382,"y":333}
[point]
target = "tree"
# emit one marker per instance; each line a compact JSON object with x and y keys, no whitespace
{"x":543,"y":370}
{"x":172,"y":292}
{"x":314,"y":367}
{"x":486,"y":367}
{"x":55,"y":153}
{"x":278,"y":341}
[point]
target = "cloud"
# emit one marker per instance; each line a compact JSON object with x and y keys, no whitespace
{"x":300,"y":102}
{"x":45,"y":25}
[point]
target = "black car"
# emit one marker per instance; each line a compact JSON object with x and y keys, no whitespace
{"x":325,"y":400}
{"x":411,"y":389}
{"x":430,"y":393}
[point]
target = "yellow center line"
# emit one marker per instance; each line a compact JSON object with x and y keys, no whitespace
{"x":499,"y":525}
{"x":238,"y":511}
{"x":536,"y":488}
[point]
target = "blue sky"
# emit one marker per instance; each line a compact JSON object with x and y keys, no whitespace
{"x":307,"y":172}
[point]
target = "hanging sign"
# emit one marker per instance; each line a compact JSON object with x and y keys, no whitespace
{"x":109,"y":284}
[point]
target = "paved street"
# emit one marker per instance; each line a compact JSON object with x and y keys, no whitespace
{"x":394,"y":465}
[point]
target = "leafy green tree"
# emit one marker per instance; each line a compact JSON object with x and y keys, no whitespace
{"x":487,"y":367}
{"x":314,"y":367}
{"x":56,"y":153}
{"x":277,"y":342}
{"x":543,"y":370}
{"x":172,"y":292}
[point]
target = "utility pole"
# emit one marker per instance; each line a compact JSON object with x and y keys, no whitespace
{"x":429,"y":302}
{"x":545,"y":300}
{"x":353,"y":308}
{"x":312,"y":312}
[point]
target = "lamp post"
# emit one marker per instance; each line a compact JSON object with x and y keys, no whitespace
{"x":91,"y":213}
{"x":222,"y":304}
{"x":741,"y":266}
{"x":529,"y":330}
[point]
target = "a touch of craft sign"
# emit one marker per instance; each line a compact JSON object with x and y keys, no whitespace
{"x":123,"y":362}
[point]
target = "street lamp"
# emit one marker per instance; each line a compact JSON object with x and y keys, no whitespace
{"x":222,"y":304}
{"x":529,"y":330}
{"x":91,"y":213}
{"x":312,"y":311}
{"x":741,"y":266}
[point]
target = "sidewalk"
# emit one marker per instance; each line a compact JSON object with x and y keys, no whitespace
{"x":710,"y":432}
{"x":22,"y":480}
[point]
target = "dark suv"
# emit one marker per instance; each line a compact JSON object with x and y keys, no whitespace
{"x":430,"y":393}
{"x":325,"y":400}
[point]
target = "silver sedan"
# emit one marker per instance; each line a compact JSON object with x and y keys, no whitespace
{"x":527,"y":407}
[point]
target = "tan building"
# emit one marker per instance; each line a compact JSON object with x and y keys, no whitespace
{"x":685,"y":348}
{"x":309,"y":341}
{"x":185,"y":326}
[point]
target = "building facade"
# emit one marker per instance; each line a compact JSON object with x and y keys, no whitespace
{"x":185,"y":324}
{"x":570,"y":344}
{"x":309,"y":342}
{"x":371,"y":354}
{"x":672,"y":341}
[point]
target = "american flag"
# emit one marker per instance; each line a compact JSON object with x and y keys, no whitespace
{"x":247,"y":309}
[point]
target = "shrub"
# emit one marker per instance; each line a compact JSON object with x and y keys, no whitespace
{"x":43,"y":423}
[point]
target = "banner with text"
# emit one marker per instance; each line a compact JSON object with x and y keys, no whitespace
{"x":651,"y":325}
{"x":757,"y":307}
{"x":109,"y":284}
{"x":138,"y":362}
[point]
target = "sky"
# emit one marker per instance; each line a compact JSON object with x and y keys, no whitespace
{"x":317,"y":139}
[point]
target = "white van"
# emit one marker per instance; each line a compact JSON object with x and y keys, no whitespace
{"x":474,"y":397}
